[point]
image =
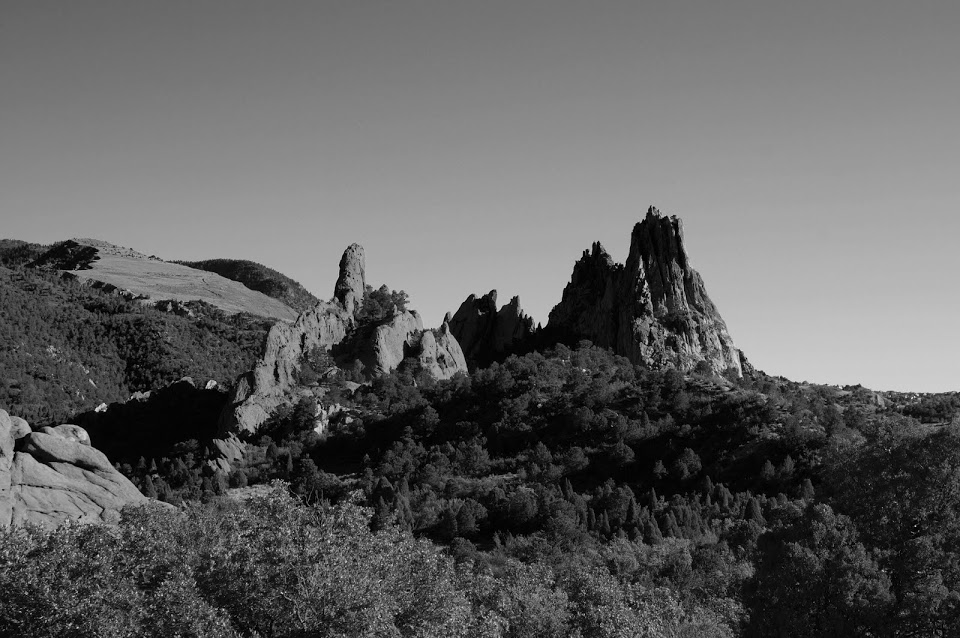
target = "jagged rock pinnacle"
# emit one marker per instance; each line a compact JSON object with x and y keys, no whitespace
{"x":654,"y":309}
{"x":486,"y":334}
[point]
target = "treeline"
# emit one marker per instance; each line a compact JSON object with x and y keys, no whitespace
{"x":260,"y":278}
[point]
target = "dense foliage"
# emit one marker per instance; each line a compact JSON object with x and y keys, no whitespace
{"x":271,"y":566}
{"x":260,"y":278}
{"x":762,"y":506}
{"x":381,"y":303}
{"x":65,"y":348}
{"x":15,"y":253}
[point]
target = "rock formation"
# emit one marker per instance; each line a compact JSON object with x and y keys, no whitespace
{"x":53,"y":475}
{"x":440,"y":354}
{"x":380,"y":348}
{"x":653,"y":309}
{"x":351,"y":284}
{"x":485,"y":333}
{"x":262,"y":390}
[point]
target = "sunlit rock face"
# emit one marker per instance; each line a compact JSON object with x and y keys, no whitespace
{"x":654,"y":309}
{"x":380,"y":348}
{"x":54,"y":475}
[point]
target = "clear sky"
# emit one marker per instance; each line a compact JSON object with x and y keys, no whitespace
{"x":811,"y":148}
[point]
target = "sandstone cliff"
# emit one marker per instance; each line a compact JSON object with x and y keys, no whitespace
{"x":654,"y":309}
{"x":53,"y":475}
{"x":485,"y":333}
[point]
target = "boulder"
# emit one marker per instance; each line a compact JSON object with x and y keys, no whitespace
{"x":7,"y":441}
{"x":54,"y":475}
{"x":20,"y":427}
{"x":69,"y":432}
{"x":654,"y":309}
{"x":228,"y":450}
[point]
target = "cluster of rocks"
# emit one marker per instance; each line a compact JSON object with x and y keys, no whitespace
{"x":273,"y":380}
{"x":653,"y":309}
{"x":487,"y":334}
{"x":53,"y":475}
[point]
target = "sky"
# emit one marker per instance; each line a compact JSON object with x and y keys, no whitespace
{"x":811,"y":148}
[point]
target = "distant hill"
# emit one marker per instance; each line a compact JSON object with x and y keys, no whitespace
{"x":125,"y":271}
{"x":260,"y":278}
{"x":14,"y":252}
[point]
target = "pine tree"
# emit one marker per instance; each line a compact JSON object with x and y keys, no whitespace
{"x":670,"y":526}
{"x":753,"y":512}
{"x":767,"y":472}
{"x":149,"y":489}
{"x":651,"y":532}
{"x":603,"y":524}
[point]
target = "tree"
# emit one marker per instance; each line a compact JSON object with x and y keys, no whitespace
{"x":686,"y":465}
{"x":814,"y":578}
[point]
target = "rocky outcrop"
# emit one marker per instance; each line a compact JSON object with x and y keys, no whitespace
{"x":402,"y":336}
{"x":53,"y":475}
{"x":351,"y":283}
{"x":380,"y":348}
{"x":486,"y":334}
{"x":387,"y":344}
{"x":654,"y":309}
{"x":440,"y":354}
{"x":262,"y":390}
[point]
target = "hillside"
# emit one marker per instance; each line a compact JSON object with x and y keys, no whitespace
{"x":65,"y":347}
{"x":15,"y":253}
{"x":260,"y":278}
{"x":99,"y":263}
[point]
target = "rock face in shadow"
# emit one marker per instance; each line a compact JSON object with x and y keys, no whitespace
{"x":380,"y":348}
{"x":654,"y":309}
{"x":487,"y":334}
{"x":153,"y":424}
{"x":53,"y":475}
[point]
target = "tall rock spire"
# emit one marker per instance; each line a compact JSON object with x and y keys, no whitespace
{"x":351,"y":282}
{"x":654,"y":309}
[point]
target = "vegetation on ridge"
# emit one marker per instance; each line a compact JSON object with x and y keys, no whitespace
{"x":260,"y":278}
